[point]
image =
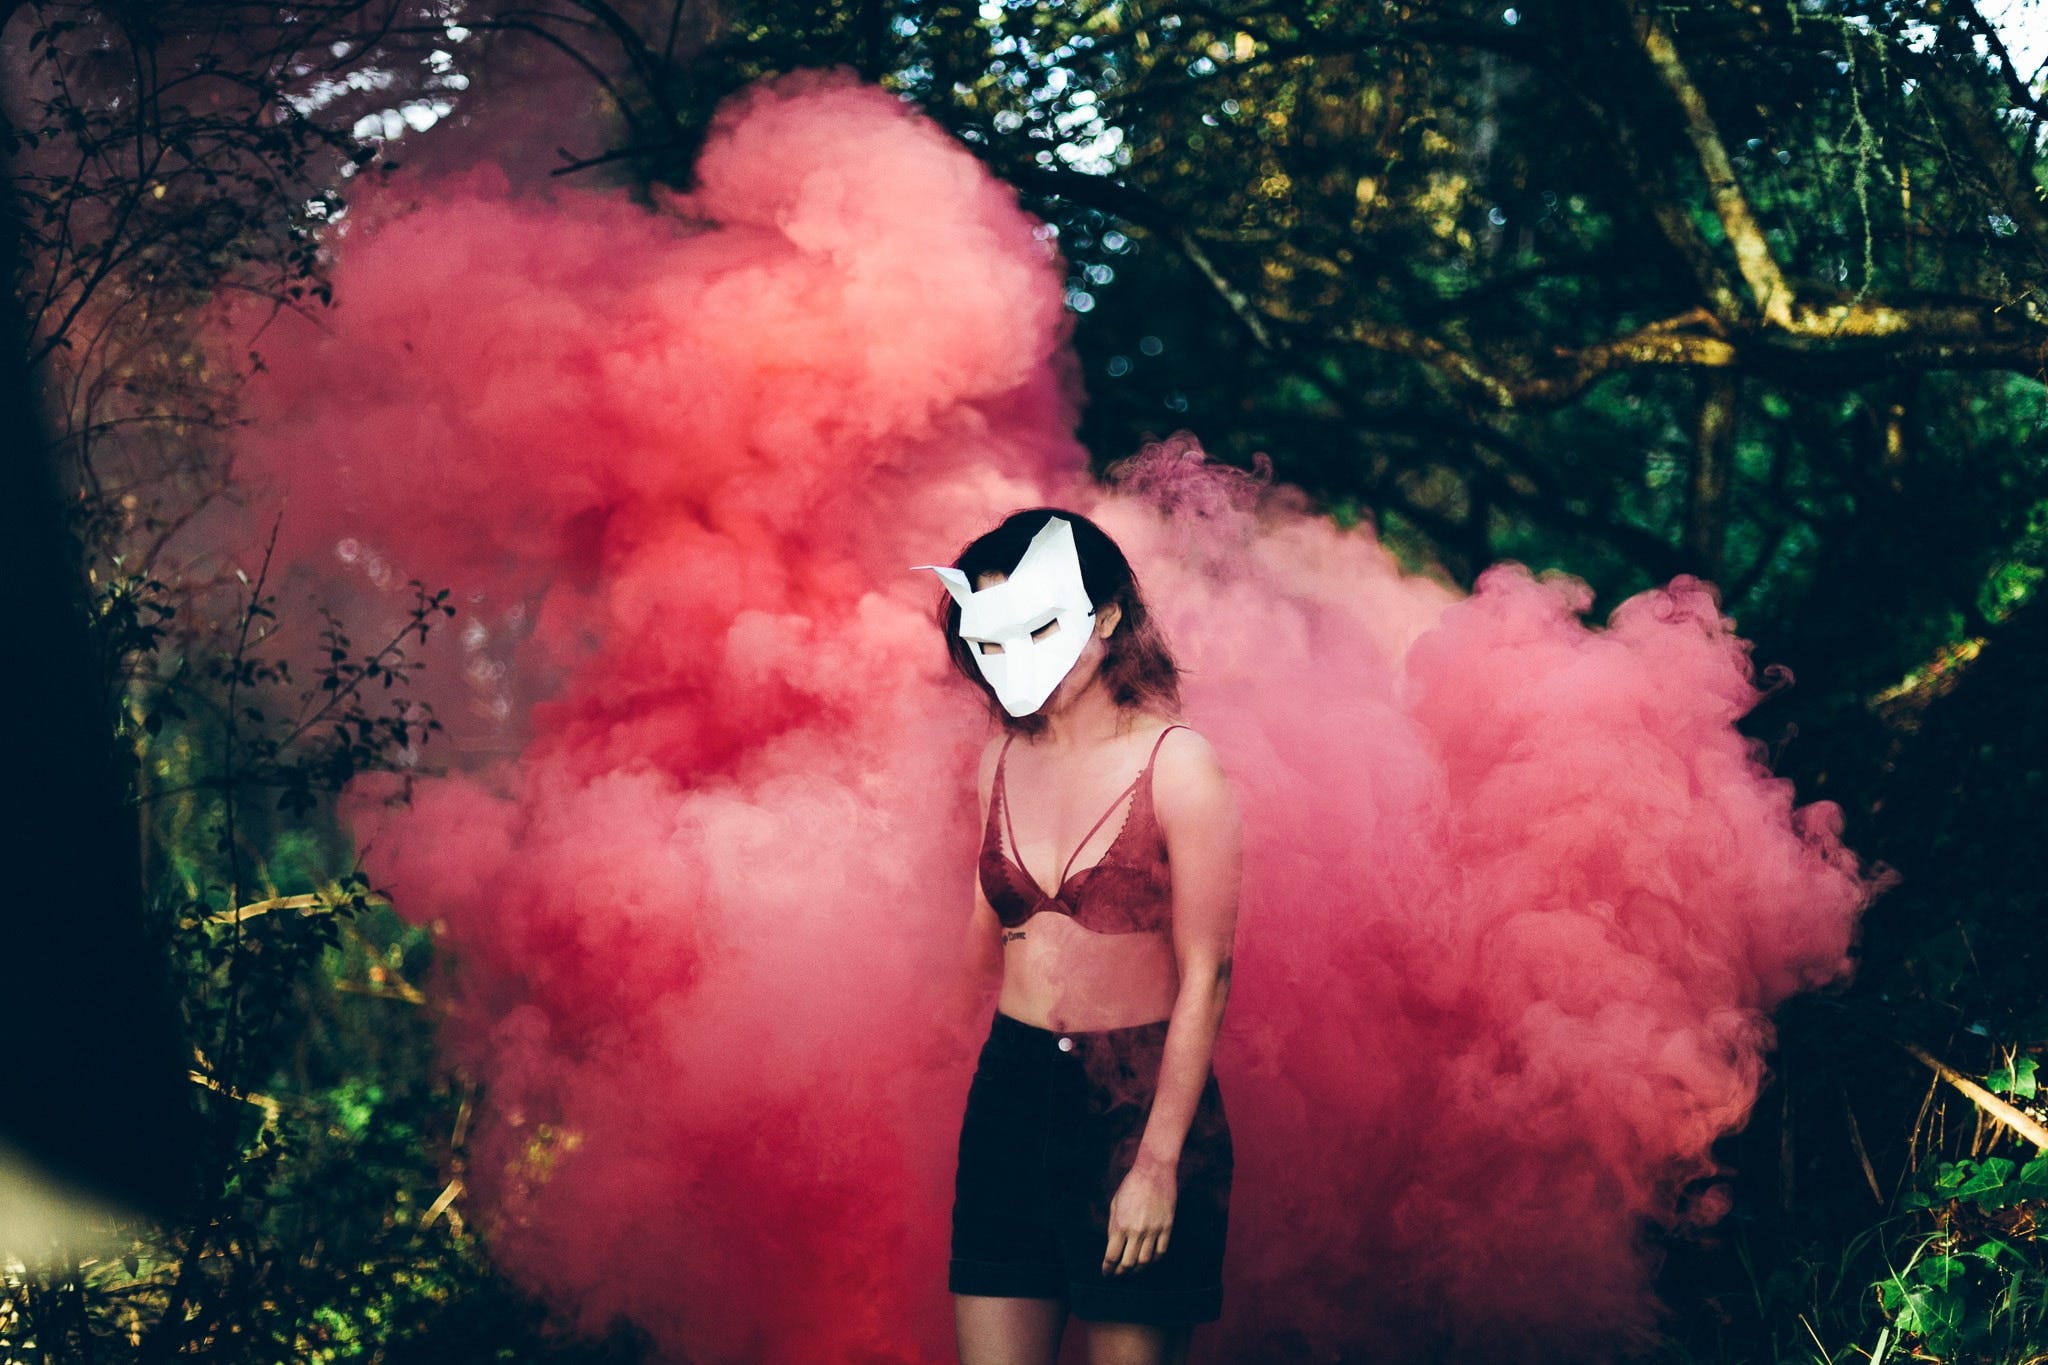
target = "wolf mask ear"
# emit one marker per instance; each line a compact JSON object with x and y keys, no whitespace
{"x":1052,"y":547}
{"x":955,"y":581}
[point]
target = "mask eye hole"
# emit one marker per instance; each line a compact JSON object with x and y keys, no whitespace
{"x":988,"y":646}
{"x":1050,"y":628}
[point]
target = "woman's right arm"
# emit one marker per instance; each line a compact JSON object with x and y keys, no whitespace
{"x":981,"y":966}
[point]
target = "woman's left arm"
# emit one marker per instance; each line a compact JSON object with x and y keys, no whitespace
{"x":1204,"y":847}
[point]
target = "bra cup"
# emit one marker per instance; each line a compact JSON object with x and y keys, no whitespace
{"x":1013,"y":897}
{"x":1115,"y":899}
{"x":1110,"y":897}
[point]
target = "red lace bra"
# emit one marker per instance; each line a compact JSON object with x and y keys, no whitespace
{"x":1126,"y":891}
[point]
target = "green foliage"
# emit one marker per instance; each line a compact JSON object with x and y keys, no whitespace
{"x":1976,"y":1288}
{"x":327,"y":1224}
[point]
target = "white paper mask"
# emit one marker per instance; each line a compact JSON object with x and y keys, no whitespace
{"x":1028,"y":631}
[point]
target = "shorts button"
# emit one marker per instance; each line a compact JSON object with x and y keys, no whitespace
{"x":1066,"y":1044}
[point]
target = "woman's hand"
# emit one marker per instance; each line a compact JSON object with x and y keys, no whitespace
{"x":1140,"y":1216}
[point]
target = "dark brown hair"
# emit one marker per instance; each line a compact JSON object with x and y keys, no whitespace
{"x":1137,"y":667}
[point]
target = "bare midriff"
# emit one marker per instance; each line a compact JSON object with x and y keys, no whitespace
{"x":1057,"y":975}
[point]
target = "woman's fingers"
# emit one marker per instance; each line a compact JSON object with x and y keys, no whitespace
{"x":1113,"y":1254}
{"x":1133,"y":1254}
{"x":1132,"y":1249}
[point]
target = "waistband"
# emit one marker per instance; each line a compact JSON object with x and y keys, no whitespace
{"x":1135,"y":1049}
{"x":1022,"y":1034}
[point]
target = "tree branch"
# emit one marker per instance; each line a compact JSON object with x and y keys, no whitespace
{"x":1752,"y":252}
{"x":1994,"y":1107}
{"x":1655,"y":345}
{"x":1893,"y":340}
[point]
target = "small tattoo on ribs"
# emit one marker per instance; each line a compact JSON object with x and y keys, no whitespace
{"x":1012,"y":935}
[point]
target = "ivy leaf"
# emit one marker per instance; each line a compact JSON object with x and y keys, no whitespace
{"x":2017,"y":1080}
{"x":1938,"y":1271}
{"x":1993,"y":1252}
{"x":1932,"y":1314}
{"x":1989,"y":1178}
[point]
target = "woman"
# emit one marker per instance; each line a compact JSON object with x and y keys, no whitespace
{"x":1095,"y":1161}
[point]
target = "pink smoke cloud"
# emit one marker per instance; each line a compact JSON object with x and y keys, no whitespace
{"x":1518,"y":894}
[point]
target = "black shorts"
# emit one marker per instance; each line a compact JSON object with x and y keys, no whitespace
{"x":1052,"y":1126}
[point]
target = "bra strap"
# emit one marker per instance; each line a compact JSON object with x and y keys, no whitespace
{"x":1142,"y":782}
{"x":1002,"y":793}
{"x":1159,"y":741}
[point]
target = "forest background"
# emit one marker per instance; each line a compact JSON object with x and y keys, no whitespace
{"x":1751,"y":291}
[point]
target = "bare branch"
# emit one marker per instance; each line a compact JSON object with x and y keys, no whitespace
{"x":1655,"y":345}
{"x":1753,"y":256}
{"x":2022,"y":1126}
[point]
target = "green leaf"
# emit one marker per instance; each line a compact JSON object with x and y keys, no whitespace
{"x":2017,"y":1080}
{"x":1989,"y":1178}
{"x":1949,"y":1176}
{"x":1993,"y":1252}
{"x":1938,"y":1271}
{"x":1934,"y":1314}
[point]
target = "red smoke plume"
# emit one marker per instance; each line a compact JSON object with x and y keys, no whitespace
{"x":1518,"y":894}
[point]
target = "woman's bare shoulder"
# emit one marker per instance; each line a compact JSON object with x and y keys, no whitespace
{"x":1188,"y":775}
{"x":1185,"y":750}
